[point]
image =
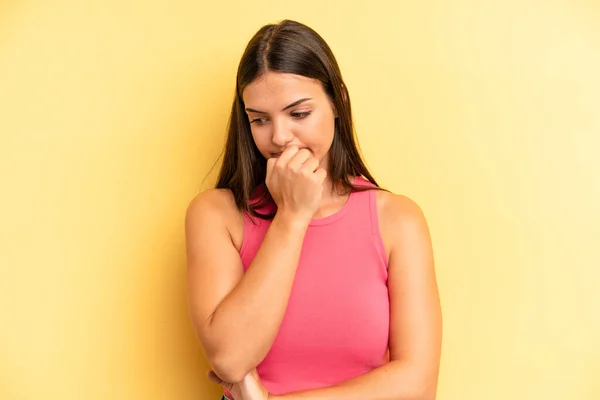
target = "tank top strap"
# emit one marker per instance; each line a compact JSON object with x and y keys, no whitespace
{"x":364,"y":208}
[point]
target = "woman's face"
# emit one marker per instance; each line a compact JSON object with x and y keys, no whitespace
{"x":289,"y":110}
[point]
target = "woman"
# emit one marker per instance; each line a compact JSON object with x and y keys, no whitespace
{"x":307,"y":281}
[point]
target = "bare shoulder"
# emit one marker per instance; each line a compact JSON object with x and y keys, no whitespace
{"x":398,"y":208}
{"x":211,"y":202}
{"x":401,"y":219}
{"x":215,"y":209}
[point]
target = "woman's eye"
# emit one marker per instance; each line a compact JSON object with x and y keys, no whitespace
{"x":300,"y":115}
{"x":258,"y":121}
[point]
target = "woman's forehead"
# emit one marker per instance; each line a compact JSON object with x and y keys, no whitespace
{"x":278,"y":89}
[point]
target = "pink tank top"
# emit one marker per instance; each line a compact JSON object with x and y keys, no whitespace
{"x":336,"y":324}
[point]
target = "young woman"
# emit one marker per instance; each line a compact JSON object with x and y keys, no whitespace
{"x":306,"y":280}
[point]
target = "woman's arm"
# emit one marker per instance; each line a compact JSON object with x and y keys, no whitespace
{"x":237,"y":315}
{"x":415,"y":320}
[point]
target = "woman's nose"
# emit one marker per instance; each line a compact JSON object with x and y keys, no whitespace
{"x":282,"y":134}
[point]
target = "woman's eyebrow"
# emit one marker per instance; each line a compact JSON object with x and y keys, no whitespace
{"x":285,"y":108}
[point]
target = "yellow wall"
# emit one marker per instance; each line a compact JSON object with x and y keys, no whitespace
{"x":487,"y":113}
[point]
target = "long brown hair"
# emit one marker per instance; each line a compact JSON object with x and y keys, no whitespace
{"x":287,"y":47}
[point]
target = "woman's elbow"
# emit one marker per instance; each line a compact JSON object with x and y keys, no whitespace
{"x":416,"y":384}
{"x":425,"y":390}
{"x":229,"y":369}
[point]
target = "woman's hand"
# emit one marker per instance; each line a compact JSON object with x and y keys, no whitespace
{"x":250,"y":388}
{"x":295,"y":181}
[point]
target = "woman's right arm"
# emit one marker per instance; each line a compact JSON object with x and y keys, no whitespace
{"x":237,"y":315}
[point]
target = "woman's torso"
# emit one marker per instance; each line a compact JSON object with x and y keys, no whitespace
{"x":337,"y":321}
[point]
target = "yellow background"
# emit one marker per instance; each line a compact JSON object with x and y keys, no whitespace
{"x":486,"y":113}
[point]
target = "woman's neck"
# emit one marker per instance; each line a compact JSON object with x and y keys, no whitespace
{"x":331,"y":200}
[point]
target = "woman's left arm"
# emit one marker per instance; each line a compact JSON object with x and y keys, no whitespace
{"x":415,"y":315}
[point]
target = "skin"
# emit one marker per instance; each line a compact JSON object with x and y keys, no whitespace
{"x":221,"y":286}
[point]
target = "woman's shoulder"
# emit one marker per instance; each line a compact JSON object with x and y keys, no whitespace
{"x":216,"y":199}
{"x":216,"y":206}
{"x":390,"y":206}
{"x":396,"y":205}
{"x":398,"y":213}
{"x":400,"y":218}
